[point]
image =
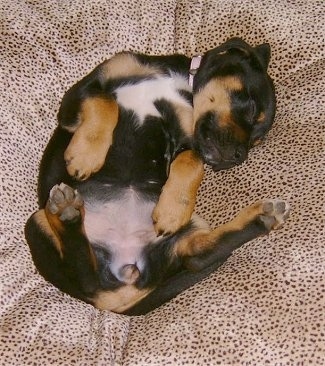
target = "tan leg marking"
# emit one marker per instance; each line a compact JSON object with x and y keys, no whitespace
{"x":125,"y":65}
{"x":57,"y":226}
{"x":42,"y":220}
{"x":204,"y":240}
{"x":88,"y":147}
{"x":177,"y":200}
{"x":275,"y":213}
{"x":215,"y":97}
{"x":121,"y":299}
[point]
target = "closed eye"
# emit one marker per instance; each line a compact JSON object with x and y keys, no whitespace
{"x":251,"y":114}
{"x":243,"y":107}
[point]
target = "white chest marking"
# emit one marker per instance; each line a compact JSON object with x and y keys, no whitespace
{"x":140,"y":97}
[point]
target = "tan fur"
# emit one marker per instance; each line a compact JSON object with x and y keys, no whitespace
{"x":257,"y":142}
{"x":185,"y":117}
{"x":177,"y":200}
{"x":42,"y":221}
{"x":261,"y":118}
{"x":53,"y":226}
{"x":125,"y":65}
{"x":203,"y":240}
{"x":215,"y":97}
{"x":121,"y":299}
{"x":88,"y":147}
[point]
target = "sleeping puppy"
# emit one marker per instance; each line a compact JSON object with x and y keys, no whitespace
{"x":125,"y":164}
{"x":234,"y":102}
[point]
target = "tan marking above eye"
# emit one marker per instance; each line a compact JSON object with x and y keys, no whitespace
{"x":231,"y":83}
{"x":215,"y":97}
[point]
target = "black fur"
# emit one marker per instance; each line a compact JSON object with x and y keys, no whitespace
{"x":238,"y":59}
{"x":140,"y":158}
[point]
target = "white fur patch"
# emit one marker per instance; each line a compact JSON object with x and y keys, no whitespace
{"x":124,"y":227}
{"x":140,"y":97}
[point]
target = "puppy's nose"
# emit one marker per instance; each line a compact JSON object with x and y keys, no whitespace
{"x":129,"y":274}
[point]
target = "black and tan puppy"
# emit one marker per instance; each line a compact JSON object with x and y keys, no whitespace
{"x":126,"y":132}
{"x":234,"y":102}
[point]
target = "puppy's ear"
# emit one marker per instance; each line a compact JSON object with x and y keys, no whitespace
{"x":237,"y":43}
{"x":263,"y":53}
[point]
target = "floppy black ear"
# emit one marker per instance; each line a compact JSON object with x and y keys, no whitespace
{"x":263,"y":52}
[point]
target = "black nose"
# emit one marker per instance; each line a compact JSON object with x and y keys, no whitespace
{"x":240,"y":154}
{"x":224,"y":157}
{"x":218,"y":146}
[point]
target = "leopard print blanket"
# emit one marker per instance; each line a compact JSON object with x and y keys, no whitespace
{"x":266,"y":304}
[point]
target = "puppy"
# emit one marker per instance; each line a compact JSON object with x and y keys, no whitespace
{"x":234,"y":102}
{"x":125,"y":164}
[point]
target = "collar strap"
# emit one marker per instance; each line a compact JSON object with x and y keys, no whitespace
{"x":195,"y":64}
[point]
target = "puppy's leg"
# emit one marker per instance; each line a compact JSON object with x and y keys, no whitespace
{"x":203,"y":247}
{"x":89,"y":145}
{"x":202,"y":250}
{"x":60,"y":250}
{"x":177,"y":199}
{"x":90,"y":112}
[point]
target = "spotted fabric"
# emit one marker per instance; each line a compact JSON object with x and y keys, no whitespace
{"x":266,"y":304}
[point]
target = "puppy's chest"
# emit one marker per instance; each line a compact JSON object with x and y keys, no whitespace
{"x":140,"y":97}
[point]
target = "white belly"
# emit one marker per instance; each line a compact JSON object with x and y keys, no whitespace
{"x":124,"y":227}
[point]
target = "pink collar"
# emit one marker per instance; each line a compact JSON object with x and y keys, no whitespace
{"x":195,"y":64}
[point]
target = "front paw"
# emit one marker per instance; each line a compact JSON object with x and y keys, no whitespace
{"x":84,"y":157}
{"x":172,"y":212}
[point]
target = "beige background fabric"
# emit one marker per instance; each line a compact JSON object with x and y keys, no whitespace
{"x":266,"y":304}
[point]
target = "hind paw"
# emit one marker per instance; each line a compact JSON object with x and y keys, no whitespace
{"x":65,"y":202}
{"x":274,"y":213}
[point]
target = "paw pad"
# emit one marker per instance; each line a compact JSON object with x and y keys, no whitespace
{"x":275,"y":213}
{"x":65,"y":202}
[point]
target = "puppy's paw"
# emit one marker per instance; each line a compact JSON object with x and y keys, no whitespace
{"x":84,"y":156}
{"x":274,"y":213}
{"x":65,"y":203}
{"x":172,"y":212}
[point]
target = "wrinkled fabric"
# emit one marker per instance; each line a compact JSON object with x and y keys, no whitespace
{"x":266,"y":304}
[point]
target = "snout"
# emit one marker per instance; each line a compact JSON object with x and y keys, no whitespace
{"x":219,"y":159}
{"x":219,"y":148}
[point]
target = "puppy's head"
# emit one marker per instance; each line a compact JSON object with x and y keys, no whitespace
{"x":234,"y":102}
